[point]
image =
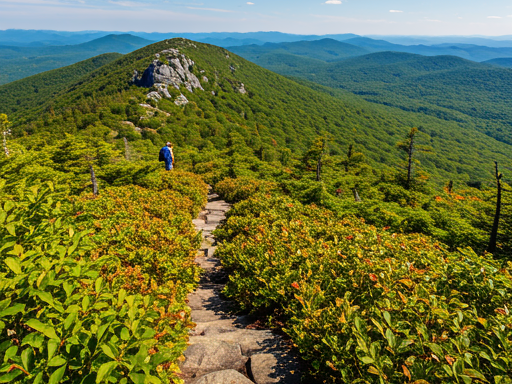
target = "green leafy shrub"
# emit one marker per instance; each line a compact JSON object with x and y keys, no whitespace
{"x":63,"y":318}
{"x":241,"y":188}
{"x":367,"y":305}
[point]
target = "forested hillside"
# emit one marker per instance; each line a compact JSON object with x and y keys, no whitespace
{"x":36,"y":90}
{"x":20,"y":62}
{"x":361,"y":231}
{"x":447,"y":87}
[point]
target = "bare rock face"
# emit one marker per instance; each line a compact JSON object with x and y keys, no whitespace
{"x":242,"y":89}
{"x":170,"y":68}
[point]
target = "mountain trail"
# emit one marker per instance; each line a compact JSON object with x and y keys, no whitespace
{"x":224,"y":348}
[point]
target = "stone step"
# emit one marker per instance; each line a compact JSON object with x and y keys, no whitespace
{"x":251,"y":341}
{"x":216,"y":217}
{"x":271,"y":368}
{"x":201,"y":359}
{"x":229,"y":376}
{"x":222,"y":350}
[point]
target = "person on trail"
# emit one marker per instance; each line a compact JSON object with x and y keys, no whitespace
{"x":167,"y":156}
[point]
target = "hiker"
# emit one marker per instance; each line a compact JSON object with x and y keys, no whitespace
{"x":167,"y":155}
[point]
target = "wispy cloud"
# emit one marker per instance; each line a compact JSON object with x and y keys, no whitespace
{"x":494,"y":17}
{"x":249,"y":3}
{"x":212,"y":9}
{"x":333,"y":2}
{"x":395,"y":11}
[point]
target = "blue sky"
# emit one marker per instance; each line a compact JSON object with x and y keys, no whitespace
{"x":394,"y":17}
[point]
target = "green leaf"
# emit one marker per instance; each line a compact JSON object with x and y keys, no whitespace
{"x":27,"y":359}
{"x":52,"y":347}
{"x":39,"y":378}
{"x":390,"y":336}
{"x":57,"y":361}
{"x":85,"y":303}
{"x":367,"y":360}
{"x":57,"y":376}
{"x":105,"y":370}
{"x":474,"y":374}
{"x":387,"y":317}
{"x":12,"y":310}
{"x":137,"y":378}
{"x":43,"y":328}
{"x":14,"y":265}
{"x":7,"y":378}
{"x":11,"y":228}
{"x":125,"y":334}
{"x":436,"y":349}
{"x":46,"y":297}
{"x":70,"y":319}
{"x":98,"y":284}
{"x":106,"y":349}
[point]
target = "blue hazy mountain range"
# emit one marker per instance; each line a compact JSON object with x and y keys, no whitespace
{"x":27,"y":52}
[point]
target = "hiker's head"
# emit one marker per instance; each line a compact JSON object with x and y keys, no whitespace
{"x":169,"y":144}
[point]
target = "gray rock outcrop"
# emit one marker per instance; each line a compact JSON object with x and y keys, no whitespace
{"x":170,"y":68}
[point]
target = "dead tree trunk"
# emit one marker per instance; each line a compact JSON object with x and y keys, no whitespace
{"x":6,"y":149}
{"x":494,"y":232}
{"x":356,"y":195}
{"x":94,"y":182}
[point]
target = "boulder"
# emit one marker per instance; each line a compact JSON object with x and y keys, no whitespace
{"x":181,"y":100}
{"x":154,"y":95}
{"x":229,"y":376}
{"x":270,"y":368}
{"x":214,"y":356}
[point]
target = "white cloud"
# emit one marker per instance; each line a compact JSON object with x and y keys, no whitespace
{"x":395,"y":11}
{"x":494,"y":17}
{"x":249,"y":3}
{"x":333,"y":2}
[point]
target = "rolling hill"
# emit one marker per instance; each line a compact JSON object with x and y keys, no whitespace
{"x":505,"y":62}
{"x":447,"y":87}
{"x":324,"y":49}
{"x":20,"y":62}
{"x":266,"y":109}
{"x":35,"y":90}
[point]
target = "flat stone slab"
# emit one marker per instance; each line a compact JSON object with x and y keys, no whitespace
{"x":250,"y":340}
{"x":218,"y":205}
{"x":214,"y":356}
{"x":229,"y":376}
{"x":271,"y":368}
{"x":215,"y":219}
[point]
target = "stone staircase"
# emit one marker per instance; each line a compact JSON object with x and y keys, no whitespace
{"x":224,"y":349}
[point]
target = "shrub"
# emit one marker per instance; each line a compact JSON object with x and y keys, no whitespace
{"x":367,"y":305}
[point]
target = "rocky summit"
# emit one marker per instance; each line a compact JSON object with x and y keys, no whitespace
{"x":170,"y":68}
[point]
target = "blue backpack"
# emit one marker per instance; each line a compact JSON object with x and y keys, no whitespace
{"x":161,"y":155}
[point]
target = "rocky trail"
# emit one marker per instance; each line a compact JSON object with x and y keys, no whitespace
{"x":224,"y":348}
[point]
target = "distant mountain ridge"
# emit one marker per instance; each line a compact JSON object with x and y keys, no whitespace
{"x":448,"y":87}
{"x":20,"y":62}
